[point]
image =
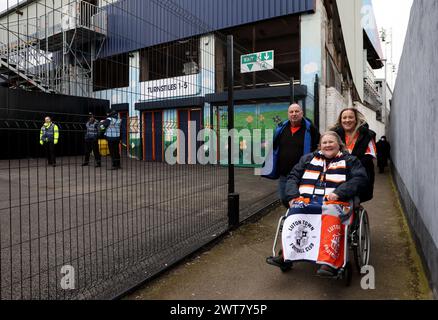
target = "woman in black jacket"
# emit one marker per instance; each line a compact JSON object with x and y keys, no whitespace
{"x":323,"y":183}
{"x":359,"y":141}
{"x":332,"y":152}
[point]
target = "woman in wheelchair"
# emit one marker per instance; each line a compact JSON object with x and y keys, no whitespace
{"x":320,"y":191}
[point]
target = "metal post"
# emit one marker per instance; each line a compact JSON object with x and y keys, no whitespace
{"x":384,"y":89}
{"x":316,"y":102}
{"x":233,"y":198}
{"x":292,"y":91}
{"x":304,"y":106}
{"x":64,"y":52}
{"x":230,"y":72}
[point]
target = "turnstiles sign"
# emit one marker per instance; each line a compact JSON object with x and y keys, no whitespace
{"x":258,"y":61}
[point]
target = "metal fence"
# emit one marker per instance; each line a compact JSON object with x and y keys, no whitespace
{"x":83,"y":232}
{"x":103,"y":230}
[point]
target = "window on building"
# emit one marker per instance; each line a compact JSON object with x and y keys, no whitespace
{"x":111,"y":72}
{"x":281,"y":35}
{"x":170,"y":60}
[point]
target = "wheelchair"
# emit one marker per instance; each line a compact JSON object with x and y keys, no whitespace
{"x":358,"y":241}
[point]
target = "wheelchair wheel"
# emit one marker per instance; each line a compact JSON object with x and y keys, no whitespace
{"x":362,"y":250}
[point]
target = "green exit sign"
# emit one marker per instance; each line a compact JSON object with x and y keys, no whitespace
{"x":250,"y":58}
{"x":259,"y":61}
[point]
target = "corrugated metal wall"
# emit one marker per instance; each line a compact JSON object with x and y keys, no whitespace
{"x":135,"y":24}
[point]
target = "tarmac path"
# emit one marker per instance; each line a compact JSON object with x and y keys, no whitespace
{"x":235,"y":268}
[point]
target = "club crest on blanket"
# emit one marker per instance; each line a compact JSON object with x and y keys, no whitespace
{"x":300,"y":235}
{"x":333,"y":249}
{"x":315,"y":232}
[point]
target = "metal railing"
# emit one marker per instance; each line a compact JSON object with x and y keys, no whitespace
{"x":23,"y":51}
{"x":371,"y":94}
{"x":14,"y":32}
{"x":75,"y":14}
{"x":370,"y":78}
{"x":25,"y":46}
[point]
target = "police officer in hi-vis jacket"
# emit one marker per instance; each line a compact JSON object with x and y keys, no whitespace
{"x":49,"y":135}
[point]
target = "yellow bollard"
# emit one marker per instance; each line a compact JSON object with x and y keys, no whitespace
{"x":103,"y":147}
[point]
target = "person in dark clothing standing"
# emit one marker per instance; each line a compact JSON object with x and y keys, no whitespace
{"x":49,"y":135}
{"x":112,"y":134}
{"x":91,"y":142}
{"x":383,"y":153}
{"x":293,"y":138}
{"x":360,"y":141}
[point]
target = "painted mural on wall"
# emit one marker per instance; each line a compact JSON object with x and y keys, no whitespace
{"x":260,"y":116}
{"x":134,"y":137}
{"x":170,"y":127}
{"x":311,"y":57}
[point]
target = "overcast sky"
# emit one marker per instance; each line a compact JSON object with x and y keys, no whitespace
{"x":392,"y":15}
{"x":8,"y":3}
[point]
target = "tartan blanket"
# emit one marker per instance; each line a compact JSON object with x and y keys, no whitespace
{"x":316,"y":232}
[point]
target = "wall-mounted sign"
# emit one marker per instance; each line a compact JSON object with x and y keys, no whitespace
{"x":170,"y":87}
{"x":259,"y":61}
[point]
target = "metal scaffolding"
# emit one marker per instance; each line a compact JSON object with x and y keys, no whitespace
{"x":53,"y":51}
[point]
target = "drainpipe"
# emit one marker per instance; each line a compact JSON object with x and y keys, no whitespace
{"x":316,"y":102}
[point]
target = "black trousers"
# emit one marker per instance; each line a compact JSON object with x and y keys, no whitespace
{"x":50,"y":152}
{"x":92,"y":145}
{"x":113,"y":146}
{"x":382,"y":162}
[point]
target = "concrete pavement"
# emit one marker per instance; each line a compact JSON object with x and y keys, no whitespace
{"x":236,"y":268}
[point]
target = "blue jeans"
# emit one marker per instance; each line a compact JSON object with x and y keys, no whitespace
{"x":282,"y":190}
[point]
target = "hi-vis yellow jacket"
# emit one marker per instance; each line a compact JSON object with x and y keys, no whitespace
{"x":49,"y":133}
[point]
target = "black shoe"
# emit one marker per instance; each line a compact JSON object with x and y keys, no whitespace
{"x":54,"y":165}
{"x":97,"y":165}
{"x":85,"y":164}
{"x":275,"y":261}
{"x":326,"y":271}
